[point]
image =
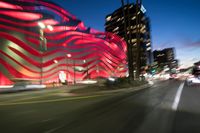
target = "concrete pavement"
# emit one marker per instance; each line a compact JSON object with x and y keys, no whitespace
{"x":145,"y":111}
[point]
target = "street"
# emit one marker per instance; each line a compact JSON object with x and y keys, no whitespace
{"x":167,"y":107}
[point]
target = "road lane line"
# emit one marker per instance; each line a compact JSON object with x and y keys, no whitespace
{"x":46,"y":120}
{"x":177,"y":97}
{"x":52,"y":100}
{"x":54,"y":129}
{"x":27,"y":98}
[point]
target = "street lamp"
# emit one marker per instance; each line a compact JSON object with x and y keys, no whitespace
{"x":43,"y":44}
{"x":74,"y":72}
{"x":67,"y":57}
{"x":56,"y":62}
{"x":97,"y":71}
{"x":86,"y":68}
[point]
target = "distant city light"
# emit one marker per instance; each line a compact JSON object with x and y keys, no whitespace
{"x":108,"y":18}
{"x":41,"y":25}
{"x":55,"y":61}
{"x":69,"y":55}
{"x":50,"y":27}
{"x":111,"y":79}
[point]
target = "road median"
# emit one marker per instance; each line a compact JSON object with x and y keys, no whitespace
{"x":105,"y":88}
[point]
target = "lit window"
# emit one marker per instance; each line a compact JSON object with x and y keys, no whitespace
{"x":143,"y":9}
{"x":133,"y":40}
{"x":149,"y":48}
{"x":116,"y":29}
{"x":108,"y":18}
{"x":133,"y":18}
{"x":148,"y":44}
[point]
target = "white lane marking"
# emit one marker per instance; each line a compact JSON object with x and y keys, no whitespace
{"x":46,"y":120}
{"x":177,"y":97}
{"x":54,"y":129}
{"x":53,"y":100}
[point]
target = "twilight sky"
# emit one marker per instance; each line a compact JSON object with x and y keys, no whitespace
{"x":174,"y":23}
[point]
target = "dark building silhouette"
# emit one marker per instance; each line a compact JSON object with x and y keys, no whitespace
{"x":115,"y":24}
{"x":165,"y":58}
{"x":197,"y":63}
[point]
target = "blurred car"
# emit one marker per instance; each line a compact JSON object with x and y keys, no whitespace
{"x":195,"y":77}
{"x":173,"y":76}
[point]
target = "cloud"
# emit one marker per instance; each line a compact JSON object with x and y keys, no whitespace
{"x":191,"y":44}
{"x":194,"y":59}
{"x":167,"y":44}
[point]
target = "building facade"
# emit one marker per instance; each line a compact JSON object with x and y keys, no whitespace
{"x":43,"y":43}
{"x":122,"y":22}
{"x":165,"y":58}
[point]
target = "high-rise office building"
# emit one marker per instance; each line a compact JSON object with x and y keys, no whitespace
{"x":165,"y":58}
{"x":124,"y":23}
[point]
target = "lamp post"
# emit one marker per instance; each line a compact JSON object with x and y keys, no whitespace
{"x":43,"y":44}
{"x":67,"y":58}
{"x":56,"y":62}
{"x":74,"y":72}
{"x":87,"y":69}
{"x":97,"y":71}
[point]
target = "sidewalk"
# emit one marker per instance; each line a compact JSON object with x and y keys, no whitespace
{"x":67,"y":88}
{"x":78,"y":89}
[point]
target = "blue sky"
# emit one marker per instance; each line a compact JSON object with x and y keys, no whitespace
{"x":174,"y":23}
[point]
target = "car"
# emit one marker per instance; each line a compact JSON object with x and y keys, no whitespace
{"x":173,"y":76}
{"x":195,"y":77}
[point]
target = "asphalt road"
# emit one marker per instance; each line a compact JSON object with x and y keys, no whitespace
{"x":167,"y":107}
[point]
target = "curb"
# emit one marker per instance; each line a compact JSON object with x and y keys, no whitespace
{"x":130,"y":89}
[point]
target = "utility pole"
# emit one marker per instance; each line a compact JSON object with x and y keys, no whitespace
{"x":42,"y":49}
{"x":74,"y":72}
{"x":43,"y":44}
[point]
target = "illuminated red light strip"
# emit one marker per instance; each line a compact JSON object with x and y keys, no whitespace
{"x":18,"y":30}
{"x":61,"y":10}
{"x":4,"y":80}
{"x":9,"y":6}
{"x":28,"y":59}
{"x":111,"y":51}
{"x":14,"y":72}
{"x":27,"y":24}
{"x":20,"y":43}
{"x":22,"y":15}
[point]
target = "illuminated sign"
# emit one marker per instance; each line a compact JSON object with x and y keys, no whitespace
{"x":143,"y":9}
{"x":62,"y":76}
